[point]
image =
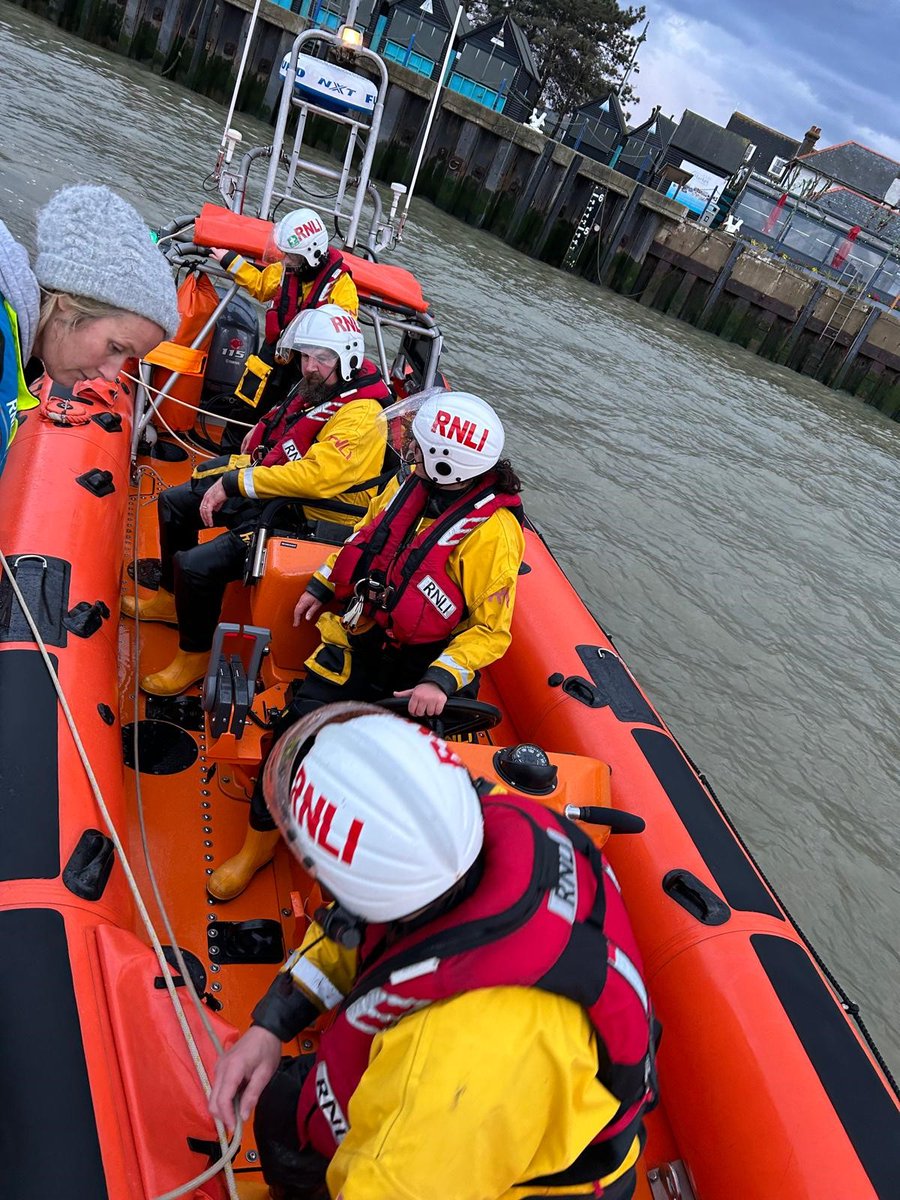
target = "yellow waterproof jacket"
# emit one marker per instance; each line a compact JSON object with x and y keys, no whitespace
{"x":469,"y":1097}
{"x":262,"y":285}
{"x":485,"y":567}
{"x":348,"y":451}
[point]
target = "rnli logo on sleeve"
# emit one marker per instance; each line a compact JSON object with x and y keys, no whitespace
{"x":563,"y":899}
{"x":291,"y":453}
{"x":328,"y":1104}
{"x":435,"y":596}
{"x":463,"y":527}
{"x":379,"y":1009}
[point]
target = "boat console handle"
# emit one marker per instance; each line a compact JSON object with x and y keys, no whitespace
{"x":617,"y":820}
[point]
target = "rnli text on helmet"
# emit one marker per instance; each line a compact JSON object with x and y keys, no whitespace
{"x":466,"y":432}
{"x":318,"y":815}
{"x":345,"y":325}
{"x":304,"y":231}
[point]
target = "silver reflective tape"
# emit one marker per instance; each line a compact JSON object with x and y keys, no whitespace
{"x":622,"y":964}
{"x":317,"y":983}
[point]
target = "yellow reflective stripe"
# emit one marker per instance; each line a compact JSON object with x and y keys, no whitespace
{"x":24,"y":398}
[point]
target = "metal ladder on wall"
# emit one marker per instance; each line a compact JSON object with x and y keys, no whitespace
{"x":841,"y":313}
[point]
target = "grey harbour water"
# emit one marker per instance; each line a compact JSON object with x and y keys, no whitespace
{"x":732,"y":524}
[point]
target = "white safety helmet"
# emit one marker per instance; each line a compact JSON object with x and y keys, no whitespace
{"x":460,"y":436}
{"x":328,"y":327}
{"x":378,"y":810}
{"x":302,"y":233}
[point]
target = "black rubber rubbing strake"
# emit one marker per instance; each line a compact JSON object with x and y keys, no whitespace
{"x":29,"y":783}
{"x":738,"y":882}
{"x":50,"y":1140}
{"x":863,"y":1104}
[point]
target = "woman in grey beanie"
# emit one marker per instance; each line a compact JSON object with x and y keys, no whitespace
{"x":100,"y":292}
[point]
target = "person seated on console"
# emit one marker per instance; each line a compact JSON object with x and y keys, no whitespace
{"x":325,"y":441}
{"x":426,"y":585}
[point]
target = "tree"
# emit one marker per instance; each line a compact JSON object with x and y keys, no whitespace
{"x":582,"y":47}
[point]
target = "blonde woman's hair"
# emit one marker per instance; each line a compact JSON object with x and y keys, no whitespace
{"x":82,"y":309}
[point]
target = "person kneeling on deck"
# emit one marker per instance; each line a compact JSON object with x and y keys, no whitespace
{"x":491,"y":1035}
{"x":427,"y":582}
{"x":311,"y":274}
{"x":324,"y":442}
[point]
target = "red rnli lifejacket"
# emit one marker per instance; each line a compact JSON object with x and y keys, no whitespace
{"x":286,"y":433}
{"x":289,"y":299}
{"x":546,"y":913}
{"x":402,"y":573}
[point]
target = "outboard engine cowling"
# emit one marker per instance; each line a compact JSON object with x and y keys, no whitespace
{"x":235,"y":338}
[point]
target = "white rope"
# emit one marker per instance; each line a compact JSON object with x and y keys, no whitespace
{"x":232,"y":1147}
{"x":225,"y":1160}
{"x":192,"y":449}
{"x":184,"y":404}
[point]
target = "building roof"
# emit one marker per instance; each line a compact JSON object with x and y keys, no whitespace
{"x":605,"y":109}
{"x":507,"y":35}
{"x":656,"y":130}
{"x":647,"y":138}
{"x":709,"y":145}
{"x":770,"y":143}
{"x":877,"y":219}
{"x":440,"y":12}
{"x":855,"y":166}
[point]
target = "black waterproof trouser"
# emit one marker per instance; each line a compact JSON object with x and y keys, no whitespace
{"x":198,"y":574}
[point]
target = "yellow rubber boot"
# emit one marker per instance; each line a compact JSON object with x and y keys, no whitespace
{"x":184,"y":669}
{"x":233,"y":876}
{"x":158,"y":607}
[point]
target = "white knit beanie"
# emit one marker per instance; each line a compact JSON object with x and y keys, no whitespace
{"x":92,"y":243}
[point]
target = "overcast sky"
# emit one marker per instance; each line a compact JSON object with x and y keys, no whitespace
{"x":787,"y":63}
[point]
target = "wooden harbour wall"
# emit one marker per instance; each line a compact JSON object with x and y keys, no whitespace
{"x":519,"y":185}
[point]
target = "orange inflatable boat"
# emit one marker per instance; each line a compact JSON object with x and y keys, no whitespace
{"x":769,"y":1091}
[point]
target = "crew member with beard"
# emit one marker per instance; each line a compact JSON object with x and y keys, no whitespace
{"x":311,"y":274}
{"x":323,"y":442}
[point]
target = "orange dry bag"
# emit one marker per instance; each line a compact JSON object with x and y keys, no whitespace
{"x":197,"y":299}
